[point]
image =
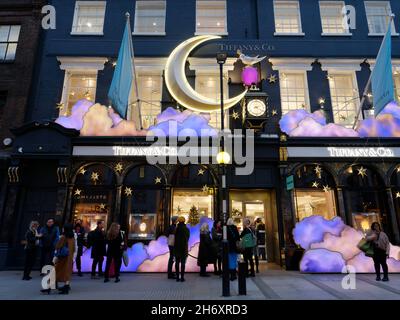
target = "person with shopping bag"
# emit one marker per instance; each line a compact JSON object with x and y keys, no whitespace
{"x":381,"y":250}
{"x":116,"y":245}
{"x":248,"y":243}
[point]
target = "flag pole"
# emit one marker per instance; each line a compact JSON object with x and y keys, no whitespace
{"x":370,"y":77}
{"x":127,"y":15}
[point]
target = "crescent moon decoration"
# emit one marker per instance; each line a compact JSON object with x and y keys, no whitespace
{"x":178,"y":85}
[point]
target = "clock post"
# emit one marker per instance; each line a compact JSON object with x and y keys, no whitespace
{"x":256,"y":104}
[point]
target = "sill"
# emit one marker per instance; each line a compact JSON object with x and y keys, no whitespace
{"x":299,"y":34}
{"x":7,"y":61}
{"x":211,"y":34}
{"x":382,"y":34}
{"x":74,"y":33}
{"x":336,"y":34}
{"x":155,"y":34}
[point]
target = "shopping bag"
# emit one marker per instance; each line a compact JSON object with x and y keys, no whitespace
{"x":366,"y":247}
{"x":125,"y":258}
{"x":112,"y":269}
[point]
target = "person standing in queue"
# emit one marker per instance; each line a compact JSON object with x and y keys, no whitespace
{"x":116,"y":245}
{"x":50,"y":236}
{"x":381,"y":245}
{"x":216,"y":235}
{"x":206,"y":250}
{"x":97,"y":241}
{"x":171,"y":242}
{"x":80,"y":237}
{"x":248,"y":244}
{"x":233,"y":238}
{"x":253,"y":228}
{"x":32,"y":243}
{"x":181,"y":250}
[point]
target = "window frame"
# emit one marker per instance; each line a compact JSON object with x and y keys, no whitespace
{"x":306,"y":88}
{"x":225,"y":33}
{"x":8,"y":42}
{"x":347,"y":32}
{"x":300,"y":33}
{"x":138,"y":33}
{"x":76,"y":17}
{"x":375,"y":3}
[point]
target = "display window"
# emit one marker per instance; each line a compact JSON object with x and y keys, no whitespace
{"x":193,"y":204}
{"x":142,"y":226}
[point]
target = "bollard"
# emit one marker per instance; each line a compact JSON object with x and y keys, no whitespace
{"x":242,"y":277}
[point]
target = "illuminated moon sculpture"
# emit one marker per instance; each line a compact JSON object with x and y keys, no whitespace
{"x":178,"y":85}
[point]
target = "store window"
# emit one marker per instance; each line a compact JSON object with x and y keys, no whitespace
{"x":208,"y":85}
{"x":93,"y":195}
{"x":150,"y":93}
{"x":287,"y":18}
{"x":211,"y":17}
{"x":378,"y":16}
{"x":365,"y":197}
{"x":344,"y":97}
{"x":314,"y":192}
{"x":9,"y":36}
{"x":89,"y":17}
{"x":143,"y":202}
{"x":332,"y":18}
{"x":294,"y":91}
{"x":150,"y":17}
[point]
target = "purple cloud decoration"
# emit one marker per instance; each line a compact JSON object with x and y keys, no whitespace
{"x":301,"y":123}
{"x":322,"y":260}
{"x":75,"y":120}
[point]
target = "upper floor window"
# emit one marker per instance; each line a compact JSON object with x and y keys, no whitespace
{"x":344,"y":97}
{"x":9,"y":36}
{"x":150,"y":17}
{"x":150,"y":93}
{"x":211,"y":17}
{"x":287,"y":18}
{"x":378,"y":16}
{"x":333,"y":18}
{"x":78,"y":86}
{"x":294,"y":90}
{"x":89,"y":17}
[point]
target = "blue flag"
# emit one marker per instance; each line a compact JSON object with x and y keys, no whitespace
{"x":382,"y":75}
{"x":121,"y":84}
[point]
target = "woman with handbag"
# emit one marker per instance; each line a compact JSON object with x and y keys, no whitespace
{"x":63,"y":260}
{"x":116,"y":244}
{"x":381,"y":249}
{"x":248,"y":243}
{"x":233,"y":240}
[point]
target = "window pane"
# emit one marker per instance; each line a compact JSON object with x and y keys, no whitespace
{"x":211,"y":16}
{"x":90,"y":18}
{"x":378,"y":16}
{"x":3,"y":49}
{"x":4,"y":32}
{"x":81,"y":86}
{"x":287,"y":17}
{"x":294,"y":94}
{"x":150,"y":16}
{"x":14,"y":33}
{"x":12,"y":48}
{"x":150,"y":92}
{"x":332,"y":17}
{"x":315,"y":202}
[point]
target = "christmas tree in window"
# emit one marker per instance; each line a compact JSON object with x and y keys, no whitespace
{"x":194,"y":216}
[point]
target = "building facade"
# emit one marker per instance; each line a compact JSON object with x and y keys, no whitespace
{"x":314,"y":62}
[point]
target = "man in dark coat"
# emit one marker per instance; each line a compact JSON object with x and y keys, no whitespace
{"x":97,"y":241}
{"x":50,"y":234}
{"x":171,"y":242}
{"x":181,"y":250}
{"x":80,"y":238}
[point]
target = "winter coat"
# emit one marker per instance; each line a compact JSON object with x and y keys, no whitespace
{"x":31,"y":240}
{"x":216,"y":236}
{"x":50,"y":236}
{"x":182,"y":235}
{"x":80,"y":238}
{"x":97,"y":241}
{"x":207,"y":253}
{"x":233,"y":237}
{"x":116,"y":246}
{"x":64,"y":265}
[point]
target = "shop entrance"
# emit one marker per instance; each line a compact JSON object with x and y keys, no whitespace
{"x":255,"y":204}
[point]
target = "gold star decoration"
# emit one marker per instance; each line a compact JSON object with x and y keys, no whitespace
{"x":318,"y":171}
{"x":82,"y":171}
{"x":362,"y":172}
{"x":60,"y":106}
{"x":274,"y":112}
{"x":200,"y":172}
{"x":235,"y":115}
{"x":119,"y":167}
{"x":315,"y":184}
{"x":272,"y":78}
{"x":128,"y":191}
{"x":397,"y":195}
{"x":205,"y":188}
{"x":398,"y":169}
{"x":94,"y":177}
{"x":157,"y":180}
{"x":326,"y":188}
{"x":102,"y":206}
{"x":78,"y":192}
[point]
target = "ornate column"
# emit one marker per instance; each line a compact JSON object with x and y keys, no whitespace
{"x":340,"y":206}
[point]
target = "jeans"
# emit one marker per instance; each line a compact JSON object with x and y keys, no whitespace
{"x":380,"y":260}
{"x":180,"y":261}
{"x":171,"y":260}
{"x":248,"y":257}
{"x":97,"y":261}
{"x":30,"y":257}
{"x":117,"y":265}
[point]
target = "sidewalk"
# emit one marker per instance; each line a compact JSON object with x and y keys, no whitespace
{"x":270,"y":284}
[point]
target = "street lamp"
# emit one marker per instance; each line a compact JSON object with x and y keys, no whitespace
{"x":221,"y":159}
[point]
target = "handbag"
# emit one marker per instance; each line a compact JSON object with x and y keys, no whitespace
{"x":62,"y":252}
{"x":366,"y":247}
{"x":171,"y":240}
{"x":248,"y":240}
{"x":125,"y":258}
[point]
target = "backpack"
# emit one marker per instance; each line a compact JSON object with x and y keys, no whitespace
{"x":248,"y":240}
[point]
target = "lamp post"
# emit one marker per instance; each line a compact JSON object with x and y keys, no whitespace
{"x":223,"y":158}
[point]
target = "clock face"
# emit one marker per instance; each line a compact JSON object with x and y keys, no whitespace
{"x":256,"y":108}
